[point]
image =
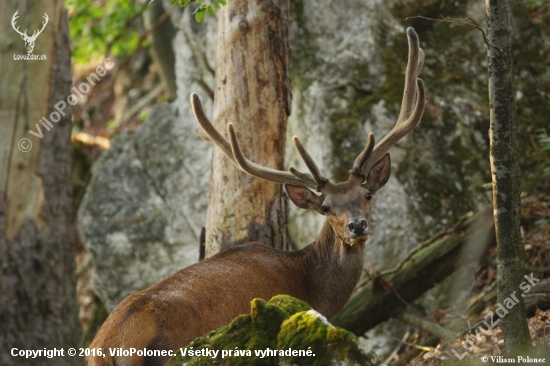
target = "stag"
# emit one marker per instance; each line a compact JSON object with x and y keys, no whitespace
{"x":209,"y":294}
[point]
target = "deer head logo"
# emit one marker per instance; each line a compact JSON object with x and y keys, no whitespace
{"x":29,"y":40}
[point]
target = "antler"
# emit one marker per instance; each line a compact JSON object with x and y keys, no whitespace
{"x":232,"y":150}
{"x":411,"y":112}
{"x":13,"y":19}
{"x":35,"y":34}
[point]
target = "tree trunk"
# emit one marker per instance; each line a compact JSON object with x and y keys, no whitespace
{"x":253,"y":92}
{"x":38,"y":306}
{"x":506,"y":173}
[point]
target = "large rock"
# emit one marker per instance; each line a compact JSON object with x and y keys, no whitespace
{"x":144,"y":208}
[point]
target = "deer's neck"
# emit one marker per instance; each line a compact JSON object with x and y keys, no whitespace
{"x":333,"y":270}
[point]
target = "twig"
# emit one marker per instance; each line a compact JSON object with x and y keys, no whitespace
{"x":397,"y":349}
{"x":138,"y":106}
{"x":426,"y":345}
{"x":200,"y":57}
{"x":466,"y":21}
{"x":142,"y":37}
{"x":126,"y":25}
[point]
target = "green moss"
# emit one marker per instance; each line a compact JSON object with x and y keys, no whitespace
{"x":256,"y":331}
{"x":272,"y":325}
{"x":308,"y":330}
{"x":289,"y":304}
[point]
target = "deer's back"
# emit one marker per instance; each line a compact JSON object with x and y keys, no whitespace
{"x":198,"y":299}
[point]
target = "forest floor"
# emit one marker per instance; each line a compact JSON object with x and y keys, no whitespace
{"x":480,"y":342}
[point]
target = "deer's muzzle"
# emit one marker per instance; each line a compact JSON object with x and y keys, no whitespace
{"x":357,"y":229}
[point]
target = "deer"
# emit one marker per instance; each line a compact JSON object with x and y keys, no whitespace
{"x":29,"y":40}
{"x":207,"y":295}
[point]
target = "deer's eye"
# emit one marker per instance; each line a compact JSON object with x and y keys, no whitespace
{"x":325,"y":208}
{"x":368,"y":196}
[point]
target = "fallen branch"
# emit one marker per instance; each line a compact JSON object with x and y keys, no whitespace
{"x":426,"y":325}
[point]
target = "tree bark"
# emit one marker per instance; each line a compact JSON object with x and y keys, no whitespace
{"x":506,"y":173}
{"x":38,"y":305}
{"x":430,"y":263}
{"x":253,"y":92}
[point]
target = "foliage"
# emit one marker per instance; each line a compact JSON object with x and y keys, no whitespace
{"x":201,"y":10}
{"x":533,"y":4}
{"x":101,"y":30}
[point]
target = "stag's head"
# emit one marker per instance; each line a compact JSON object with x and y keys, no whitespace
{"x":348,"y":205}
{"x":29,"y":40}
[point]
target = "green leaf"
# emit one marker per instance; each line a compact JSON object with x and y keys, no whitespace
{"x":97,"y":31}
{"x":199,"y":14}
{"x":181,"y":3}
{"x":199,"y":9}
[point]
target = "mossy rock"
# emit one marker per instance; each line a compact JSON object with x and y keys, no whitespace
{"x":280,"y":326}
{"x":329,"y":345}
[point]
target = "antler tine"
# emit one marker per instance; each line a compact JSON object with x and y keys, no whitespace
{"x":44,"y":22}
{"x":362,"y":158}
{"x":206,"y":129}
{"x":259,"y":171}
{"x":412,"y":107}
{"x":414,"y":64}
{"x":13,"y":21}
{"x":233,"y":151}
{"x":315,"y":172}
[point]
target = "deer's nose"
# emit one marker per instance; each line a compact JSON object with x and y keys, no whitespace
{"x":358,"y":226}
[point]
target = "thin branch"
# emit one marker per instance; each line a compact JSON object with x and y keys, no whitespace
{"x":142,"y":37}
{"x":426,"y":325}
{"x":126,"y":25}
{"x":466,"y":21}
{"x":397,"y":349}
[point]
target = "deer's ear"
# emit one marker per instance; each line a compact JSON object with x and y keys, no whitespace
{"x":379,"y":174}
{"x":303,"y":197}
